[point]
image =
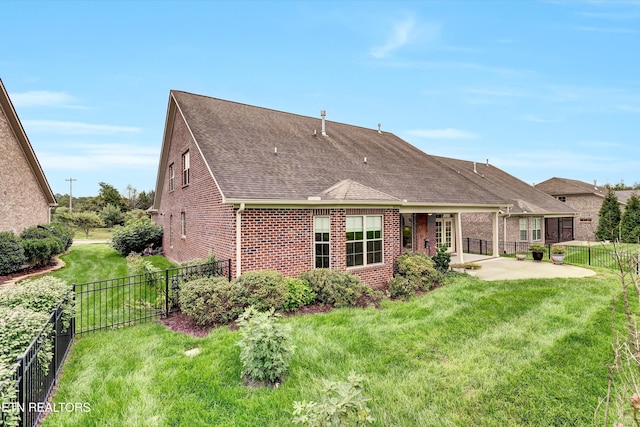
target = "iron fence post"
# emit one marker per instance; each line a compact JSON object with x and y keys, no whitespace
{"x":166,"y":292}
{"x":229,"y":268}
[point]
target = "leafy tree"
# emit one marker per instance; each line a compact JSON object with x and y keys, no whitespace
{"x":609,"y":215}
{"x":86,"y":221}
{"x":145,"y":199}
{"x":112,"y":215}
{"x":630,"y":223}
{"x":109,"y":195}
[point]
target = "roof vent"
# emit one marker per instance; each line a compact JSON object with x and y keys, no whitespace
{"x":379,"y":128}
{"x":323,"y":114}
{"x":475,"y":170}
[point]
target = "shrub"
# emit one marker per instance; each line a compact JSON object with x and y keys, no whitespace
{"x":41,"y":295}
{"x":11,"y":253}
{"x":40,"y":251}
{"x":265,"y":346}
{"x":441,"y":259}
{"x":402,"y":287}
{"x":136,"y":236}
{"x":65,"y":234}
{"x":111,"y":215}
{"x":419,"y":268}
{"x":212,"y":300}
{"x":334,"y":287}
{"x":266,"y":289}
{"x":299,"y":294}
{"x":343,"y":404}
{"x":18,"y":327}
{"x":8,"y":396}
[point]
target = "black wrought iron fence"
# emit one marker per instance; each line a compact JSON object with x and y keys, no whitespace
{"x":591,"y":255}
{"x":36,"y":370}
{"x":128,"y":300}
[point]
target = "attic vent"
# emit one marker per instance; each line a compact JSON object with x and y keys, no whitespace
{"x":323,"y":114}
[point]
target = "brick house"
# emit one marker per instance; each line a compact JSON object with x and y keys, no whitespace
{"x":27,"y":198}
{"x":275,"y":190}
{"x":532,"y":217}
{"x":585,"y":198}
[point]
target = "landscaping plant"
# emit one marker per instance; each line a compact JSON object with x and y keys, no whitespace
{"x":266,"y":289}
{"x":10,"y":415}
{"x":136,"y":236}
{"x":299,"y":294}
{"x":212,"y":300}
{"x":265,"y":346}
{"x":334,"y":287}
{"x":11,"y":253}
{"x":419,"y":268}
{"x":342,"y":404}
{"x":441,"y":259}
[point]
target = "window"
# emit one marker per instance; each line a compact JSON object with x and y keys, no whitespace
{"x":183,"y":223}
{"x":185,"y":168}
{"x":172,"y":176}
{"x":523,"y":229}
{"x":364,"y":240}
{"x":536,"y":229}
{"x":321,"y":228}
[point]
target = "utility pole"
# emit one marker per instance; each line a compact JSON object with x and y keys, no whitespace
{"x":70,"y":192}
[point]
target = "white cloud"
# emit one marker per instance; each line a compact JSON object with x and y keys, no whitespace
{"x":403,"y":33}
{"x":448,"y":133}
{"x":43,"y":98}
{"x":75,"y":128}
{"x":101,"y":157}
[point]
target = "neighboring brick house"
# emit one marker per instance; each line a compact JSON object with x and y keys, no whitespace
{"x":533,"y":217}
{"x":26,"y":196}
{"x":275,"y":190}
{"x":585,"y":198}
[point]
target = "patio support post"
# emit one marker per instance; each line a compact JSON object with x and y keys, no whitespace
{"x":496,"y":234}
{"x":458,"y":234}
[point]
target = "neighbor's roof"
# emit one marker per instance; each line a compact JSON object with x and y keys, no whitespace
{"x":524,"y":197}
{"x":565,"y":187}
{"x":259,"y":153}
{"x":14,"y":122}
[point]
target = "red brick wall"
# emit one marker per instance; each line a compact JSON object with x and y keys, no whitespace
{"x":23,"y":204}
{"x":209,"y":223}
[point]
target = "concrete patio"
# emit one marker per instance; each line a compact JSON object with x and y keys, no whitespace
{"x":502,"y":268}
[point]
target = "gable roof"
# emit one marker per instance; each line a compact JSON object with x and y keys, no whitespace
{"x":23,"y":141}
{"x":564,"y":187}
{"x":255,"y":153}
{"x":524,"y":197}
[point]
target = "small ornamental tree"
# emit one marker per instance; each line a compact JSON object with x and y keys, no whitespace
{"x":86,"y":221}
{"x":609,"y":217}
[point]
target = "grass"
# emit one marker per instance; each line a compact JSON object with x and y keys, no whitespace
{"x":94,"y":234}
{"x":507,"y":353}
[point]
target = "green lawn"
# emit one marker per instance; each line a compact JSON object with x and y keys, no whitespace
{"x":510,"y":353}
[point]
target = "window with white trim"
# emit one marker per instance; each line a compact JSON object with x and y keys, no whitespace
{"x":364,"y":240}
{"x":186,"y":165}
{"x":536,"y":229}
{"x":524,"y":229}
{"x":322,"y":227}
{"x":172,"y":177}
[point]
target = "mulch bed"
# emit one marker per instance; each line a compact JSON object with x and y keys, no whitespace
{"x":29,"y":272}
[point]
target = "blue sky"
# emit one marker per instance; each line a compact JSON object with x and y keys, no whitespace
{"x":539,"y":88}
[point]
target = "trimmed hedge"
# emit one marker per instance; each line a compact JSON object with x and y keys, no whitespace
{"x":11,"y":253}
{"x":212,"y":300}
{"x":336,"y":288}
{"x":266,"y":289}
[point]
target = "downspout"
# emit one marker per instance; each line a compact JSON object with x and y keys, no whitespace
{"x":458,"y":227}
{"x":239,"y":239}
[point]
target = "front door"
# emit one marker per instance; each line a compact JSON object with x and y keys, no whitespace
{"x":444,"y":232}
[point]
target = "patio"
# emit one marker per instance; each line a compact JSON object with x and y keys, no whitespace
{"x":502,"y":268}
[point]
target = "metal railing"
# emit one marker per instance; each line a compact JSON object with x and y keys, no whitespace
{"x":128,"y":300}
{"x":596,"y":256}
{"x":98,"y":305}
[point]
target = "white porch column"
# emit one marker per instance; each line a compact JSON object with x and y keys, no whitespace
{"x":458,"y":233}
{"x":239,"y":239}
{"x":496,"y":235}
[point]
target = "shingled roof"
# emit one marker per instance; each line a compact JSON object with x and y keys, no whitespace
{"x":524,"y":197}
{"x":257,"y":153}
{"x":565,"y":187}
